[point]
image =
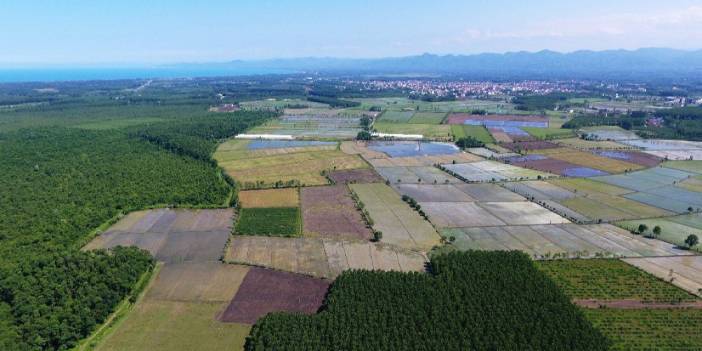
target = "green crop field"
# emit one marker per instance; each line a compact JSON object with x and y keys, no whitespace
{"x":477,"y":132}
{"x":549,"y":133}
{"x":396,"y":116}
{"x":428,"y":118}
{"x":269,"y":221}
{"x":610,"y":279}
{"x":671,"y":231}
{"x":649,"y":329}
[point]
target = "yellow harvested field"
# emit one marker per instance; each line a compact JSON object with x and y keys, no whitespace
{"x":201,"y":282}
{"x":237,"y":149}
{"x":400,"y":225}
{"x":175,"y":325}
{"x":288,"y":197}
{"x":304,"y":167}
{"x":324,"y":258}
{"x":583,"y":144}
{"x":590,"y":160}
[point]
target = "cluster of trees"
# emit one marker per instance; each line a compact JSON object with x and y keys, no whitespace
{"x":57,"y":185}
{"x":197,"y":137}
{"x":470,"y":301}
{"x":55,"y":300}
{"x":539,"y":102}
{"x":468,"y":142}
{"x":333,"y":101}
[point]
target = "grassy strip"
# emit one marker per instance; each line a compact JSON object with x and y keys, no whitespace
{"x":116,"y":318}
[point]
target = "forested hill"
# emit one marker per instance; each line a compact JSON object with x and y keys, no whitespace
{"x":59,"y":184}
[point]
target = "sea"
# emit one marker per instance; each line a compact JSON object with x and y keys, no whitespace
{"x":10,"y":75}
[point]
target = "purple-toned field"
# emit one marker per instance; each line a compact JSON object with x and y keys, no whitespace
{"x":355,"y":176}
{"x":264,"y":291}
{"x":330,"y":212}
{"x":530,"y":145}
{"x":635,"y":157}
{"x":550,"y":165}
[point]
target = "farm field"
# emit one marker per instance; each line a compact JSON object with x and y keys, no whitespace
{"x":428,"y":131}
{"x":427,"y":118}
{"x":366,"y":175}
{"x":477,"y":132}
{"x":491,"y":171}
{"x":383,"y":161}
{"x":555,"y":166}
{"x":540,"y":190}
{"x":277,"y":221}
{"x":413,"y":148}
{"x":612,"y":208}
{"x":175,"y":325}
{"x":687,"y":166}
{"x":587,"y":186}
{"x":171,"y":235}
{"x":658,"y":187}
{"x":684,"y":272}
{"x":610,"y":133}
{"x":323,"y":258}
{"x":590,"y":160}
{"x":303,"y":168}
{"x":264,"y":291}
{"x":433,"y":192}
{"x":491,"y":152}
{"x":288,"y":197}
{"x":320,"y":125}
{"x":610,"y":279}
{"x":672,"y":231}
{"x":560,"y":241}
{"x":178,"y":310}
{"x":396,"y":116}
{"x":582,"y":144}
{"x":416,"y":175}
{"x":329,"y":211}
{"x":238,"y":149}
{"x":548,"y":133}
{"x":649,"y":329}
{"x":636,"y":157}
{"x":400,"y":224}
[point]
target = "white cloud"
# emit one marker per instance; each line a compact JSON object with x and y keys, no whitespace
{"x":674,"y":26}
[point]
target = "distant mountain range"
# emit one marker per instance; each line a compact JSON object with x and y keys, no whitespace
{"x":593,"y":64}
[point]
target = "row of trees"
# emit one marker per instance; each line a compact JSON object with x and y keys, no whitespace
{"x":470,"y":301}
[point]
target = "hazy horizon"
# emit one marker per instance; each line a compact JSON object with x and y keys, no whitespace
{"x":79,"y":32}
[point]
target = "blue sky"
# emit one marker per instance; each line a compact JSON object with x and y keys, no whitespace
{"x":156,"y":31}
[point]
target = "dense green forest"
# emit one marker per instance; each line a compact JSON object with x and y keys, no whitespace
{"x":472,"y":301}
{"x":57,"y":299}
{"x":62,"y":180}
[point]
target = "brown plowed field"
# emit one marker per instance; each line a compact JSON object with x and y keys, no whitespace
{"x":355,"y":176}
{"x":264,"y":291}
{"x":330,"y":211}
